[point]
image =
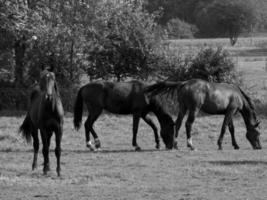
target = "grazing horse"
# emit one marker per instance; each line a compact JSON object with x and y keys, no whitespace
{"x":121,"y":98}
{"x":46,"y":114}
{"x":211,"y":98}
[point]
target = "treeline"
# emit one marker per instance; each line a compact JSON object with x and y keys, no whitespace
{"x":210,"y":18}
{"x":113,"y":39}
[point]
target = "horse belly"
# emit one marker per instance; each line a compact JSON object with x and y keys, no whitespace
{"x":118,"y":107}
{"x":215,"y":107}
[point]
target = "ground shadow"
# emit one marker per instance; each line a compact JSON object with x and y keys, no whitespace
{"x":113,"y":151}
{"x":238,"y":162}
{"x":78,"y":151}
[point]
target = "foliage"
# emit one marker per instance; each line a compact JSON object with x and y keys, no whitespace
{"x":227,"y":19}
{"x":213,"y":65}
{"x":124,"y":38}
{"x":177,"y":28}
{"x":200,"y":14}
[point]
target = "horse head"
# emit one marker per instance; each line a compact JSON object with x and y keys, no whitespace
{"x":253,"y":136}
{"x":167,"y":132}
{"x":48,"y":84}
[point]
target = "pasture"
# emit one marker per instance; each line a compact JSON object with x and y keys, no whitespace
{"x":118,"y":172}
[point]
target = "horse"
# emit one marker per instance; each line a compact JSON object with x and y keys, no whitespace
{"x":45,"y":113}
{"x":212,"y":98}
{"x":121,"y":98}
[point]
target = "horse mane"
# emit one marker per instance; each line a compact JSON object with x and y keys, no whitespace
{"x":248,"y":99}
{"x":164,"y":87}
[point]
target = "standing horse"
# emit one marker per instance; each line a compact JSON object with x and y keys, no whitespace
{"x":211,"y":98}
{"x":121,"y":98}
{"x":46,"y":114}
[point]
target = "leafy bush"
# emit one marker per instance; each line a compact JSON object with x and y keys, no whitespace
{"x":214,"y":66}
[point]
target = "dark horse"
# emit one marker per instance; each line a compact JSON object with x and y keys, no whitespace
{"x":121,"y":98}
{"x":46,"y":114}
{"x":211,"y":98}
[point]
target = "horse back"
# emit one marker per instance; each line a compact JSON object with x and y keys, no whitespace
{"x":115,"y":97}
{"x":212,"y":98}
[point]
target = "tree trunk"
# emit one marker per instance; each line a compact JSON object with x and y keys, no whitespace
{"x":20,"y":48}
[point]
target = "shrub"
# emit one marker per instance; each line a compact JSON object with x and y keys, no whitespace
{"x":213,"y":65}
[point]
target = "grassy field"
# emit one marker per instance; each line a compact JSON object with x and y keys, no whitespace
{"x":118,"y":172}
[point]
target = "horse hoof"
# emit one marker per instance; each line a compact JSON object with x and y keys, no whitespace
{"x":34,"y":167}
{"x":90,"y":147}
{"x":58,"y":172}
{"x":236,"y":147}
{"x":157,"y":146}
{"x":137,"y":148}
{"x":192,"y":148}
{"x":220,"y":148}
{"x":97,"y":143}
{"x":45,"y":173}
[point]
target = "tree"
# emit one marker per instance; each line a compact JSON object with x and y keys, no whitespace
{"x":123,"y":39}
{"x":226,"y":19}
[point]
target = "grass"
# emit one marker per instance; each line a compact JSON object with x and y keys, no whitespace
{"x":118,"y":172}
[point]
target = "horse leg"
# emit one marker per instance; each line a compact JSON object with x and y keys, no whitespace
{"x":58,"y":135}
{"x":178,"y":124}
{"x":94,"y":114}
{"x":36,"y":148}
{"x":232,"y":132}
{"x":87,"y":135}
{"x":45,"y":151}
{"x":136,"y":120}
{"x":49,"y":135}
{"x":149,"y":121}
{"x":227,"y":119}
{"x":188,"y":125}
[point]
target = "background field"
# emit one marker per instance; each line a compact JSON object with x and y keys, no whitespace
{"x":118,"y":172}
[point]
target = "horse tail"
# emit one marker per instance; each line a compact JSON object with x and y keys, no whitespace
{"x":164,"y":87}
{"x":78,"y":110}
{"x":26,"y":128}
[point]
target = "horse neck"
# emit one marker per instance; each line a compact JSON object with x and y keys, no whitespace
{"x":160,"y":113}
{"x":55,"y":97}
{"x":248,"y":115}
